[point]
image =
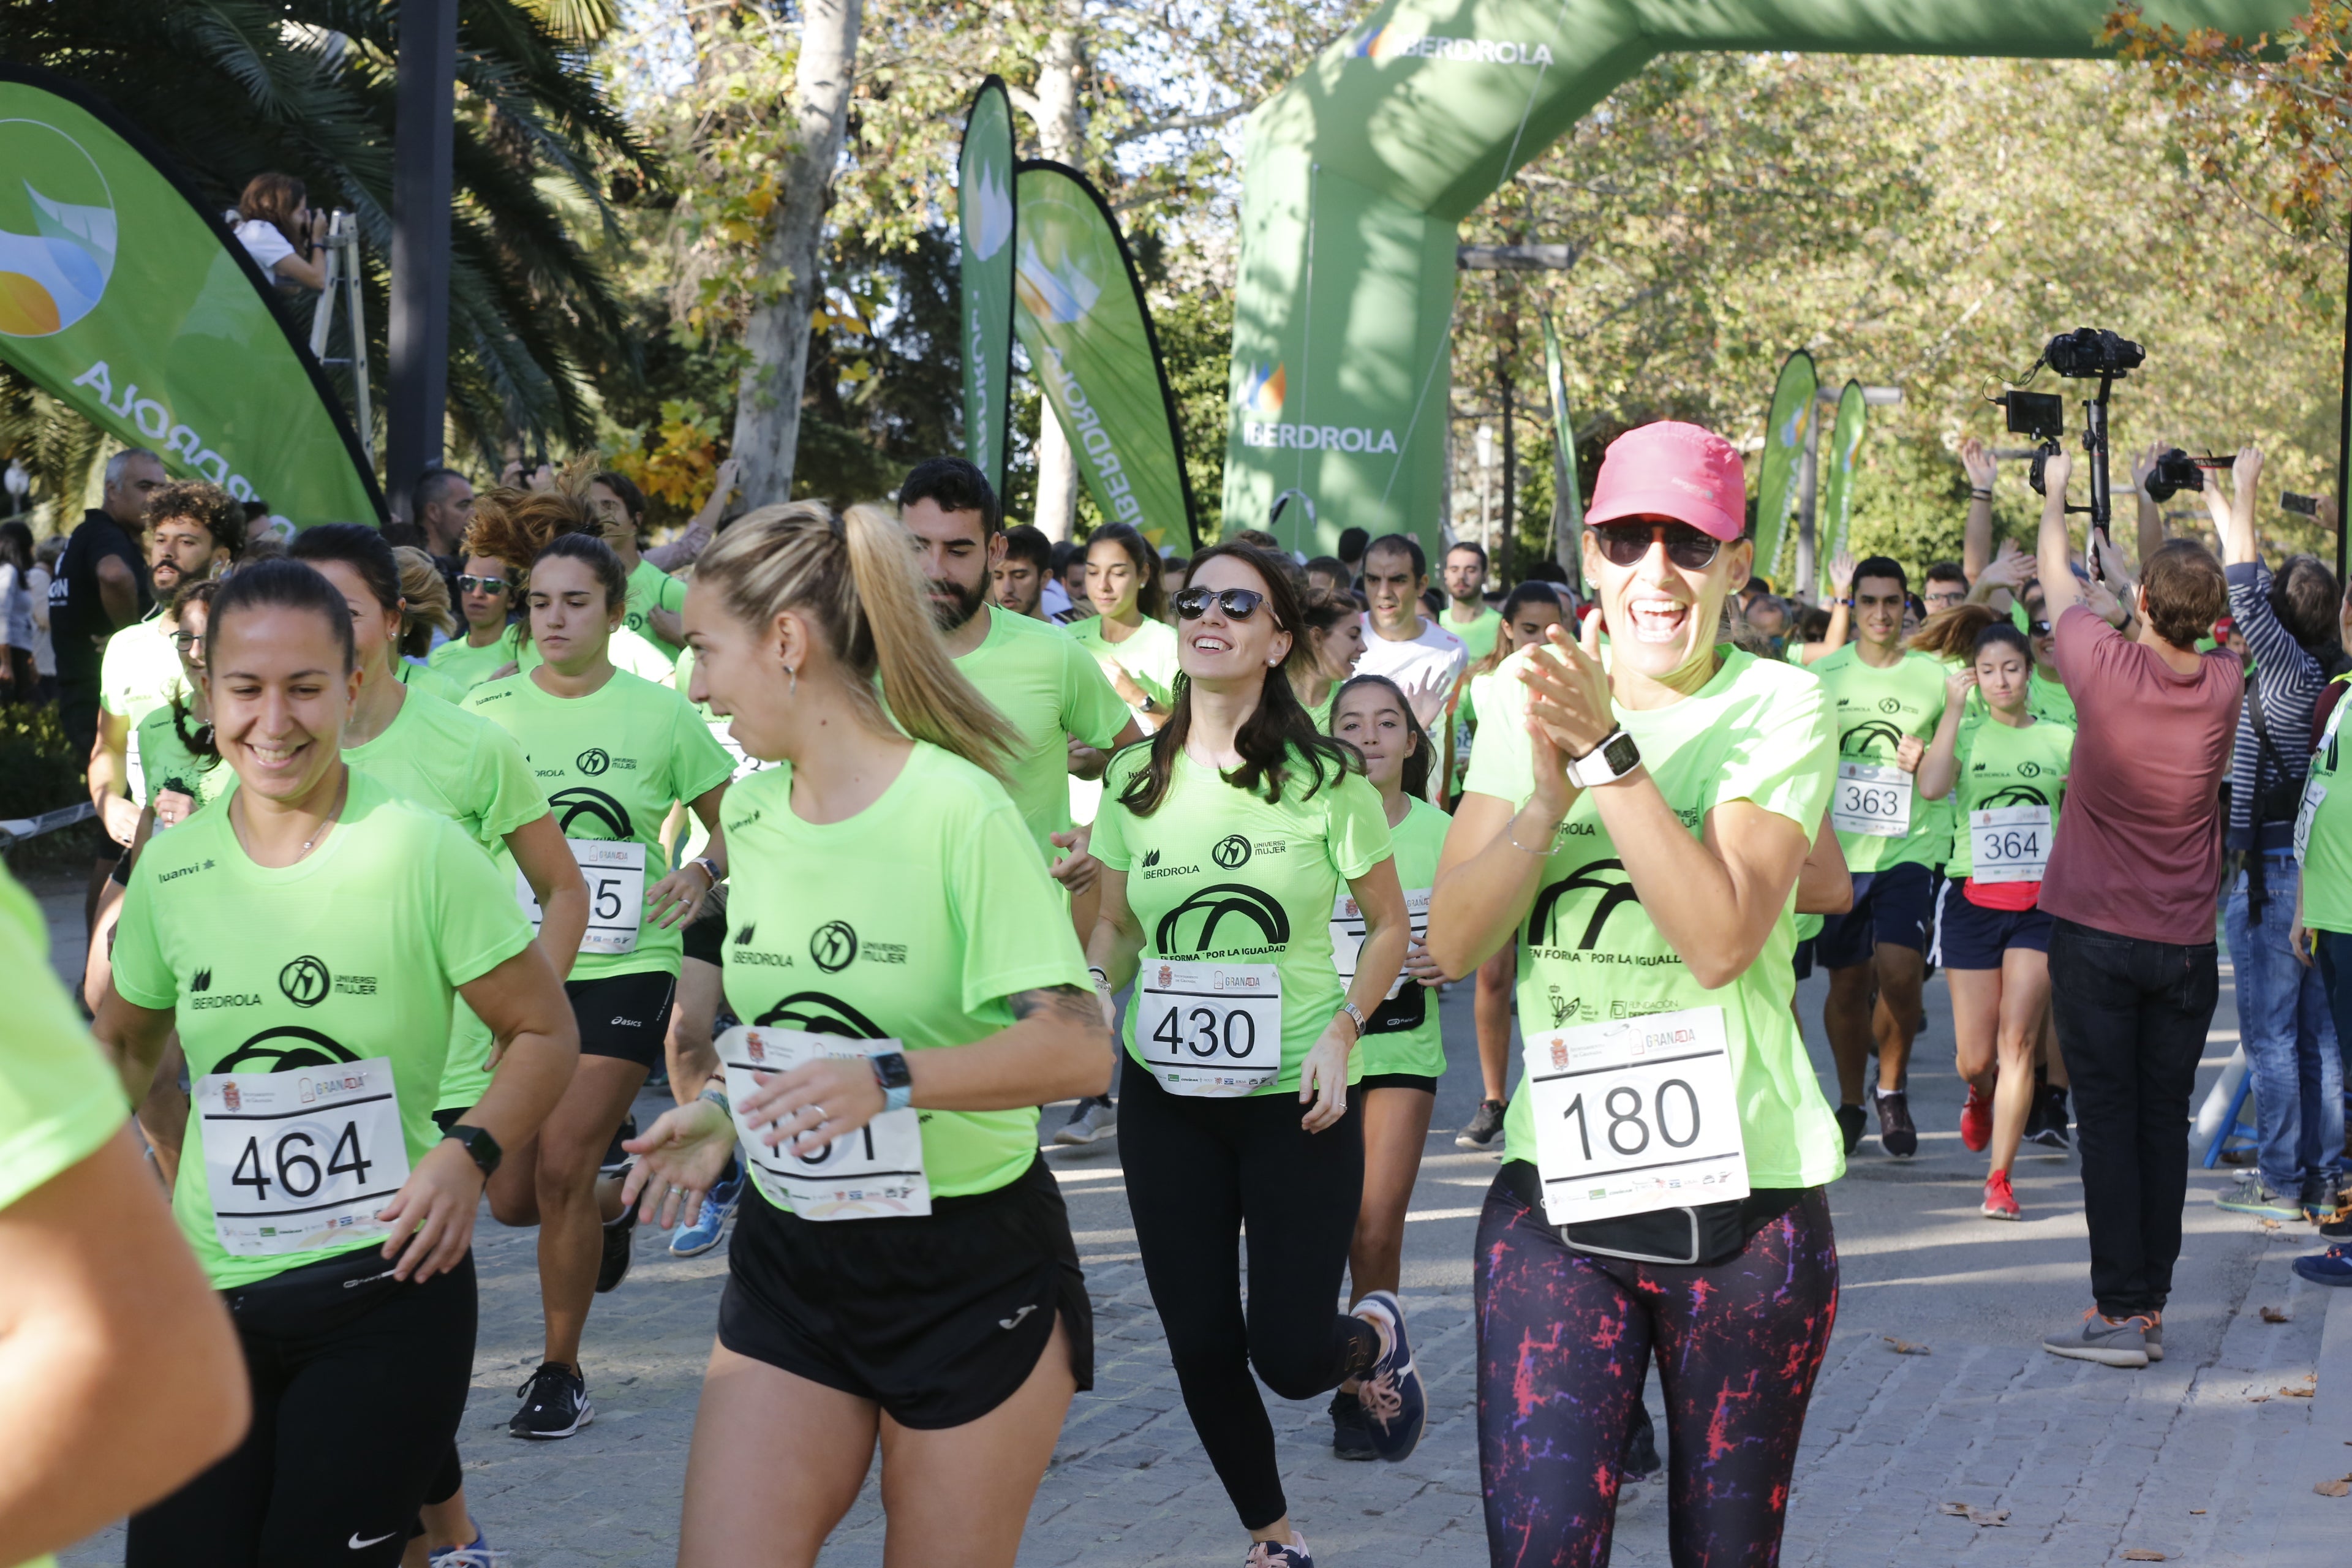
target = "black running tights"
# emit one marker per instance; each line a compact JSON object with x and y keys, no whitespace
{"x":1198,"y":1170}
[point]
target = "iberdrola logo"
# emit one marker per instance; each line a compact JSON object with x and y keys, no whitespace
{"x":56,"y":230}
{"x":1262,"y":391}
{"x":988,"y":213}
{"x":1792,"y":433}
{"x":1062,"y":293}
{"x":1390,"y":42}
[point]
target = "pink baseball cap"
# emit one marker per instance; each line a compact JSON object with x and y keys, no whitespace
{"x":1672,"y":469}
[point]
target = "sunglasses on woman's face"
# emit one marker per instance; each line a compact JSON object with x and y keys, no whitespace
{"x":1628,"y":543}
{"x":1238,"y":603}
{"x":469,"y":584}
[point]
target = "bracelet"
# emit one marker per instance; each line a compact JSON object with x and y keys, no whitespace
{"x":717,"y":1097}
{"x":1100,"y":972}
{"x":1349,"y":1010}
{"x":1511,"y":837}
{"x":1980,"y":495}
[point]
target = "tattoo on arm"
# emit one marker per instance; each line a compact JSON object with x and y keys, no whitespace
{"x":1068,"y":1003}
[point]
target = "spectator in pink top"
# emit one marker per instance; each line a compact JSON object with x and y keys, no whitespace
{"x":2133,"y":974}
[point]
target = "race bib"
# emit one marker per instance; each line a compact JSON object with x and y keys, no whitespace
{"x":135,"y":775}
{"x":616,"y":873}
{"x":744,"y":766}
{"x":1873,"y":799}
{"x":2313,"y":793}
{"x":300,"y":1159}
{"x":1635,"y":1114}
{"x":1347,"y":934}
{"x":875,"y":1172}
{"x":2009,"y":844}
{"x":1209,"y":1029}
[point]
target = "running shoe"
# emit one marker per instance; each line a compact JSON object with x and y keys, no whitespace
{"x":1092,"y":1121}
{"x":1395,"y":1405}
{"x":1267,"y":1554}
{"x":1975,"y":1121}
{"x":2037,"y":1112}
{"x":2000,"y":1203}
{"x":2110,"y":1341}
{"x":2340,"y":1227}
{"x":2253,"y":1195}
{"x":2333,"y":1267}
{"x":1853,"y":1122}
{"x":1484,"y":1127}
{"x":1896,"y":1135}
{"x":617,"y":1160}
{"x":2049,"y":1129}
{"x":480,"y":1554}
{"x":2154,"y":1335}
{"x":554,"y":1403}
{"x":1640,"y":1461}
{"x":1351,"y":1434}
{"x":693,"y":1240}
{"x":620,"y":1239}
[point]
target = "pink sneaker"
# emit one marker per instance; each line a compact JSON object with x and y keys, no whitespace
{"x":1975,"y":1121}
{"x":2000,"y":1203}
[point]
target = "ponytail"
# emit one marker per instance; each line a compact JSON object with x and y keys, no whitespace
{"x":425,"y":602}
{"x":1951,"y":635}
{"x":855,"y":578}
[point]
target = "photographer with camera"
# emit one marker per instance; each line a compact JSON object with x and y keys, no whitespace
{"x":275,"y":222}
{"x":2134,"y":973}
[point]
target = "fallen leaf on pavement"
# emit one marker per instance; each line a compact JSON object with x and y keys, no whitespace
{"x":2197,"y":1511}
{"x":2142,"y":1554}
{"x":2272,"y":1315}
{"x":2333,"y":1489}
{"x":1983,"y":1518}
{"x":2257,"y":1398}
{"x":2298,"y":1393}
{"x":2269,"y":1225}
{"x":1905,"y":1347}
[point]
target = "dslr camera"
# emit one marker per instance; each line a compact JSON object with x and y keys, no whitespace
{"x":2091,"y":353}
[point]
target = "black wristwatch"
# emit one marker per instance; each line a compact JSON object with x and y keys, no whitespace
{"x":480,"y":1145}
{"x":897,"y":1082}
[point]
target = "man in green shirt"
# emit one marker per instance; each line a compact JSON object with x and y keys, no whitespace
{"x":1467,"y":613}
{"x":656,"y":599}
{"x":1887,"y":702}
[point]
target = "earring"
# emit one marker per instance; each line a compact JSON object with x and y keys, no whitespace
{"x":793,"y":676}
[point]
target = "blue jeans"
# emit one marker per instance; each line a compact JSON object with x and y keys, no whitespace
{"x":2289,"y":1034}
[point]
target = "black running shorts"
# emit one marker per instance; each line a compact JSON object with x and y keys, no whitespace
{"x":624,"y":1016}
{"x":938,"y":1319}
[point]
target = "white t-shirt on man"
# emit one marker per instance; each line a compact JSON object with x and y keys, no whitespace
{"x":1425,"y":669}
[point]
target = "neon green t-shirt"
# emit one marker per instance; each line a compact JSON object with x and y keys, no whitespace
{"x":166,"y":762}
{"x":613,"y":764}
{"x":1148,"y":655}
{"x":138,"y":673}
{"x":461,"y":766}
{"x":1465,"y":729}
{"x":651,"y":588}
{"x":431,"y":681}
{"x":1418,"y":840}
{"x":1224,"y":874}
{"x":1874,"y":710}
{"x":470,"y":665}
{"x":913,"y":921}
{"x":626,"y":649}
{"x":696,"y":837}
{"x":2001,"y":765}
{"x":352,"y":952}
{"x":2327,"y":838}
{"x":1758,"y":732}
{"x":1040,"y":678}
{"x":1477,"y":635}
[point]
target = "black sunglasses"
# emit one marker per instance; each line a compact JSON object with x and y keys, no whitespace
{"x":1239,"y":603}
{"x":469,"y":584}
{"x":2038,"y":629}
{"x":1625,"y":544}
{"x":186,"y":640}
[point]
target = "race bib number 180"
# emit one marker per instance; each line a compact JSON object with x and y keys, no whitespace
{"x":1873,"y":799}
{"x":875,"y":1172}
{"x":1209,"y":1029}
{"x":1636,"y":1114}
{"x":616,"y":873}
{"x":300,"y":1159}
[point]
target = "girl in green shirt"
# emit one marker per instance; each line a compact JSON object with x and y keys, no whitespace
{"x":1334,"y":624}
{"x":913,"y":989}
{"x":1129,"y":632}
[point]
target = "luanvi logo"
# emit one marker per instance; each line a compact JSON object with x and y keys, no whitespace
{"x":2015,"y":794}
{"x":593,"y":761}
{"x":284,"y":1049}
{"x":1152,"y":857}
{"x":571,"y":804}
{"x":202,"y":981}
{"x":1869,"y":739}
{"x":1231,"y":852}
{"x":305,"y":982}
{"x":834,"y":945}
{"x":1191,"y":926}
{"x":815,"y":1012}
{"x":1543,"y":920}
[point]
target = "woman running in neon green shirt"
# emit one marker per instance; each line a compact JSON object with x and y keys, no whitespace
{"x":1129,"y":632}
{"x":487,"y":590}
{"x":913,"y":991}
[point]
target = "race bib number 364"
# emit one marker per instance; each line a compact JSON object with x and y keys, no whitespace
{"x":1636,"y":1114}
{"x":2009,"y":844}
{"x":300,"y":1159}
{"x":875,"y":1172}
{"x":1212,"y":1030}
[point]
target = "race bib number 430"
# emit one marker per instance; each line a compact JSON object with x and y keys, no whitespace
{"x":875,"y":1172}
{"x":1212,"y":1030}
{"x":1636,"y":1114}
{"x":300,"y":1159}
{"x":615,"y":874}
{"x":1873,"y":799}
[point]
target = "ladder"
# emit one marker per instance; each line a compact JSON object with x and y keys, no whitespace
{"x":341,"y":252}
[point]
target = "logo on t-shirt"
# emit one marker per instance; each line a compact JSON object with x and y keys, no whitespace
{"x":284,"y":1049}
{"x":1231,"y":852}
{"x":1606,"y":897}
{"x":833,"y":946}
{"x":815,"y":1012}
{"x":593,"y":761}
{"x":571,"y":804}
{"x":2013,"y":794}
{"x":202,"y":981}
{"x":1152,"y":857}
{"x":743,"y":937}
{"x":1867,"y":739}
{"x":305,"y":982}
{"x":1208,"y":910}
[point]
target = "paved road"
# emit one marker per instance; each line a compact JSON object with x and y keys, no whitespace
{"x":2202,"y":1458}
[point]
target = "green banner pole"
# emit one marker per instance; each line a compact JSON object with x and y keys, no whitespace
{"x":986,"y":218}
{"x":1082,"y":318}
{"x":1784,"y":446}
{"x":1837,"y":489}
{"x":1568,"y":505}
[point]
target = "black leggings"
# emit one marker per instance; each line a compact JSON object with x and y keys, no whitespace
{"x":1564,"y":1342}
{"x":359,"y":1382}
{"x":1197,"y":1170}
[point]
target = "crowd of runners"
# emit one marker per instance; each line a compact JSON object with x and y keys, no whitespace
{"x":869,"y":833}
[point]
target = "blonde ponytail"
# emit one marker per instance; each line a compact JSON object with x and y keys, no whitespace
{"x":855,"y":577}
{"x":425,"y":596}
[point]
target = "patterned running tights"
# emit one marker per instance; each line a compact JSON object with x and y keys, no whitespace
{"x":1564,"y":1342}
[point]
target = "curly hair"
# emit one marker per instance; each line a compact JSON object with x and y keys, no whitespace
{"x":209,"y":505}
{"x":517,"y":526}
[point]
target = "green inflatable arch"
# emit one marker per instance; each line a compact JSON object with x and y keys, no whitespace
{"x":1357,"y":174}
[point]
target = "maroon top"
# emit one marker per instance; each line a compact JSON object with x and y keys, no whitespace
{"x":2140,"y":843}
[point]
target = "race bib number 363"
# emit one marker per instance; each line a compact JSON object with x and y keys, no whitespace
{"x":875,"y":1172}
{"x":1873,"y":799}
{"x":1213,"y":1029}
{"x":1636,"y":1114}
{"x":300,"y":1159}
{"x":616,"y":873}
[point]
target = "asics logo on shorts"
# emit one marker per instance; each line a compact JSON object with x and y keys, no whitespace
{"x":627,"y":1023}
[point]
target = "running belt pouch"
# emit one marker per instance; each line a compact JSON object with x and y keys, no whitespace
{"x":1402,"y":1012}
{"x":316,"y":1297}
{"x":1690,"y":1236}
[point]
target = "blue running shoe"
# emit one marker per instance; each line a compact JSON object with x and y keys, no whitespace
{"x":480,"y":1554}
{"x":1395,"y":1405}
{"x":2333,"y":1267}
{"x":693,"y":1240}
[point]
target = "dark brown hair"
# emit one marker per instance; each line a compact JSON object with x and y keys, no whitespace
{"x":276,"y":199}
{"x":1418,"y":761}
{"x":2186,"y":591}
{"x":193,"y":501}
{"x":1150,"y":593}
{"x":521,"y":527}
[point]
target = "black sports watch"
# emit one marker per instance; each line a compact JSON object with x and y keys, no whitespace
{"x":480,"y":1145}
{"x":897,"y":1082}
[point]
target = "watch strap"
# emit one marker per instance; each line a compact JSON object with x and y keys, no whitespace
{"x":1596,"y":767}
{"x":898,"y":1086}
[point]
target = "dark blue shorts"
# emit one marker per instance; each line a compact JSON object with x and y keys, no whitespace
{"x":1970,"y":936}
{"x":1895,"y":905}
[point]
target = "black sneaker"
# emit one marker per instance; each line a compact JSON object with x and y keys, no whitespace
{"x":1352,"y":1434}
{"x":2339,"y":1228}
{"x":619,"y":1235}
{"x":1484,"y":1127}
{"x":1641,"y":1458}
{"x":2037,"y":1113}
{"x":1853,"y":1122}
{"x":1895,"y":1134}
{"x":554,"y":1403}
{"x":617,"y":1160}
{"x":2050,"y":1111}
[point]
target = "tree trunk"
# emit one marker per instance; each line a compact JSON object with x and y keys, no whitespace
{"x":1061,"y":136}
{"x":1506,"y":361}
{"x":768,"y":405}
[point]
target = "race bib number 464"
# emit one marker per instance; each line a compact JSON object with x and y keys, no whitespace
{"x":1873,"y":799}
{"x":875,"y":1172}
{"x":1636,"y":1114}
{"x":300,"y":1159}
{"x":1213,"y":1029}
{"x":615,"y":874}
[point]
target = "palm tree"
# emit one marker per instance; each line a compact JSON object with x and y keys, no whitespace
{"x":233,"y":88}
